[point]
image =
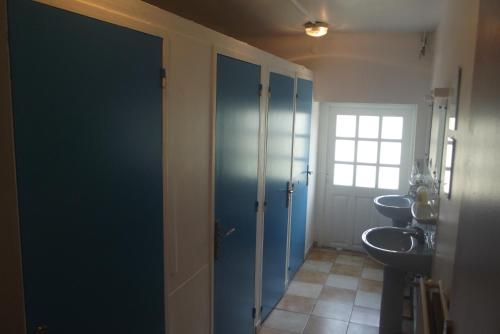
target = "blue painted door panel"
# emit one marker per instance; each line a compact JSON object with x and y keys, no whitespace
{"x":236,"y":164}
{"x":88,"y":132}
{"x":300,"y":174}
{"x":278,"y":169}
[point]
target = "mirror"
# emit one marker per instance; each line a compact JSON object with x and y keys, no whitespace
{"x":437,"y":137}
{"x":448,"y":166}
{"x":454,"y":100}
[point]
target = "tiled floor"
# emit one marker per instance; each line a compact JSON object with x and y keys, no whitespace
{"x":335,"y":292}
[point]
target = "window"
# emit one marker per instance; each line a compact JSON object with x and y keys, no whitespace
{"x":368,"y":151}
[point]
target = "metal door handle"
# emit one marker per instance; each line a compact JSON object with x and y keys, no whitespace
{"x":289,"y":191}
{"x":229,"y":232}
{"x":219,"y":235}
{"x":308,"y":172}
{"x":41,"y":329}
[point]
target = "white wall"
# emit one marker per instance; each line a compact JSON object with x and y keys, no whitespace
{"x":455,"y":46}
{"x":313,"y":166}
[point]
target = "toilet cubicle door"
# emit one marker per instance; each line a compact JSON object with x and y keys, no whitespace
{"x":300,"y":174}
{"x":236,"y":165}
{"x":87,"y":104}
{"x":277,"y":196}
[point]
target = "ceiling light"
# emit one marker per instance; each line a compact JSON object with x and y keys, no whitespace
{"x":316,"y":29}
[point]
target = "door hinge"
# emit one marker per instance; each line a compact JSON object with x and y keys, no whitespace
{"x":269,"y":91}
{"x":254,"y":312}
{"x":163,"y":77}
{"x":256,"y":206}
{"x":297,"y":96}
{"x":260,"y":89}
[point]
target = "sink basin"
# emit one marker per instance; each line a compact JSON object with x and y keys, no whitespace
{"x":396,"y":207}
{"x":394,"y":247}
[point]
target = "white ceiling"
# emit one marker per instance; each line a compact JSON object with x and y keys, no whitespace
{"x":254,"y":18}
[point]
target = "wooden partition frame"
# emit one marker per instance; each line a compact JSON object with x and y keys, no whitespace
{"x":12,"y":315}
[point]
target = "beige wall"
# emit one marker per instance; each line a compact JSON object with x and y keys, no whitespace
{"x":454,"y":46}
{"x":11,"y":292}
{"x":363,"y":68}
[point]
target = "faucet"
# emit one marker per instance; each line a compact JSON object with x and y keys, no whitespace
{"x":418,"y":234}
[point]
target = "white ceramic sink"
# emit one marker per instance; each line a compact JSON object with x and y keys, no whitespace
{"x":398,"y":248}
{"x":396,"y":207}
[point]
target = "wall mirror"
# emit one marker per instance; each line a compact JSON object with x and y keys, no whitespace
{"x":454,"y":100}
{"x":449,"y":166}
{"x":437,"y":136}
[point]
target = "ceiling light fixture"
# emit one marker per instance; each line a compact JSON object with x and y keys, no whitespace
{"x":316,"y":29}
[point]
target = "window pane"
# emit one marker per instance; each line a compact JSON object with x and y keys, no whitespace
{"x":368,"y":126}
{"x":390,"y":153}
{"x":346,"y":126}
{"x":367,"y":151}
{"x":388,"y":178}
{"x":365,"y":176}
{"x":343,"y":174}
{"x":392,"y":127}
{"x":344,"y":150}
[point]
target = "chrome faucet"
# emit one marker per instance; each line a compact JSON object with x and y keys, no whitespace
{"x":418,"y":234}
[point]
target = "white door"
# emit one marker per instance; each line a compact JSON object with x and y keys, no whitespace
{"x":370,"y":153}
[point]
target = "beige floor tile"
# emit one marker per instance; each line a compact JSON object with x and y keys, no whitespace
{"x":350,"y":260}
{"x":342,"y":281}
{"x":331,"y":294}
{"x":368,"y":299}
{"x":310,"y":276}
{"x":267,"y":330}
{"x":352,"y":253}
{"x":361,"y":329}
{"x":286,"y":321}
{"x":302,"y":289}
{"x":345,"y":269}
{"x":373,"y":274}
{"x":325,"y":250}
{"x":314,"y":265}
{"x":369,"y":285}
{"x":320,"y":325}
{"x":296,"y":304}
{"x":371,"y":263}
{"x":321,"y":255}
{"x":365,"y":316}
{"x":334,"y":310}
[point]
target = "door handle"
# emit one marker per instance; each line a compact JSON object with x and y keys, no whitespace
{"x":308,"y":173}
{"x":289,"y":191}
{"x":41,"y":329}
{"x":219,"y":235}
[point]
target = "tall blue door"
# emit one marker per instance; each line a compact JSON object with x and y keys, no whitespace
{"x":87,"y":124}
{"x":278,"y":169}
{"x":300,"y":175}
{"x":236,"y":164}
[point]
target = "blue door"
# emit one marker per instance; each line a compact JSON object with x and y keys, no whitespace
{"x":278,"y":169}
{"x":87,"y":108}
{"x":300,"y":175}
{"x":236,"y":164}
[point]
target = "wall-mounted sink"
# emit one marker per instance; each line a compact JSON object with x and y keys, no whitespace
{"x":396,"y":207}
{"x":401,"y":250}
